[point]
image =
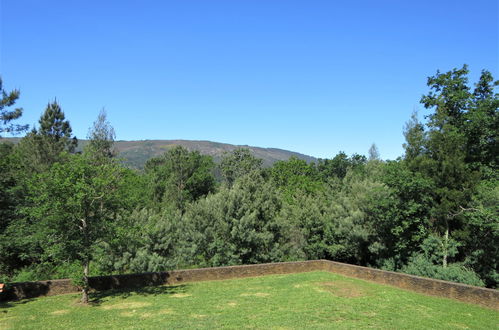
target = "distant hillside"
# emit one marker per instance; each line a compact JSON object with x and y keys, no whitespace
{"x":136,"y":153}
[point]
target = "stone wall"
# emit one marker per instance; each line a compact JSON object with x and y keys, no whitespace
{"x":470,"y":294}
{"x":466,"y":293}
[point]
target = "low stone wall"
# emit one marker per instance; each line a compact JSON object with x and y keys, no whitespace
{"x":466,"y":293}
{"x":24,"y":290}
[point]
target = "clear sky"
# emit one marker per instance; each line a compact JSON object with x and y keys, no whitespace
{"x":310,"y":76}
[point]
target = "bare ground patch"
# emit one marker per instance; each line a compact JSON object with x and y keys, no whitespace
{"x":181,"y":295}
{"x":60,"y":312}
{"x":126,"y":305}
{"x":342,"y":289}
{"x":166,"y":311}
{"x":255,"y":294}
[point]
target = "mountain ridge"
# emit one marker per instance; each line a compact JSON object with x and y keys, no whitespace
{"x":135,"y":153}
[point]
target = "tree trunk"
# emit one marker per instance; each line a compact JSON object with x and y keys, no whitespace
{"x":84,"y":298}
{"x":445,"y":245}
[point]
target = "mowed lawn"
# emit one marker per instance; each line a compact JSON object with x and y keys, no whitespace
{"x":306,"y":300}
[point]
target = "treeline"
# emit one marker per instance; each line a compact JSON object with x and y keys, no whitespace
{"x":432,"y":212}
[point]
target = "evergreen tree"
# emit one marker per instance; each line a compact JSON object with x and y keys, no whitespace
{"x":8,"y":99}
{"x":101,"y":138}
{"x":41,"y":147}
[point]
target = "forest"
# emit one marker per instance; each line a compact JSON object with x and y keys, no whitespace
{"x":432,"y":212}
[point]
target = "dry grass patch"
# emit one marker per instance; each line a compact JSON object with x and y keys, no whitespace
{"x":127,"y":305}
{"x":342,"y":289}
{"x":166,"y":311}
{"x":256,"y":294}
{"x":60,"y":312}
{"x":181,"y":295}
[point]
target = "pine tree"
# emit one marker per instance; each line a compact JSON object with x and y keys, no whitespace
{"x":8,"y":99}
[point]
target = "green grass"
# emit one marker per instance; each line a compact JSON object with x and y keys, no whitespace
{"x":306,"y":300}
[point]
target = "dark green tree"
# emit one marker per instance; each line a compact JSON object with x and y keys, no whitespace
{"x":338,"y":166}
{"x":7,"y":100}
{"x":179,"y":177}
{"x":238,"y":163}
{"x":41,"y":147}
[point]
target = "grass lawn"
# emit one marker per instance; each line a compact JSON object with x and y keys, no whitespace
{"x":306,"y":300}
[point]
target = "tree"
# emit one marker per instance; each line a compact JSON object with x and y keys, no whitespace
{"x":6,"y":116}
{"x":238,"y":163}
{"x":338,"y":166}
{"x":237,"y":225}
{"x":179,"y":177}
{"x":294,"y":176}
{"x":101,"y":138}
{"x":74,"y":204}
{"x":481,"y":124}
{"x":373,"y":153}
{"x":443,"y":150}
{"x":41,"y":147}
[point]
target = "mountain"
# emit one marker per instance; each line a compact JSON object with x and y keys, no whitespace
{"x":136,"y":153}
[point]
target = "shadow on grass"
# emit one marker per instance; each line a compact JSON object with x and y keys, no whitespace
{"x":10,"y":304}
{"x":96,"y":298}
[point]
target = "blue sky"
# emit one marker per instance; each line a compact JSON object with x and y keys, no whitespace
{"x":311,"y":76}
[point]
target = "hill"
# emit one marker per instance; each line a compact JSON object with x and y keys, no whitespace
{"x":136,"y":153}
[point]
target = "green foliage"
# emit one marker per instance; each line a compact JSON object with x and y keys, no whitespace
{"x":433,"y":213}
{"x":238,"y":163}
{"x":179,"y":177}
{"x":7,"y":100}
{"x":295,"y":176}
{"x":145,"y":241}
{"x":420,"y":266}
{"x":101,"y":138}
{"x":238,"y":225}
{"x":42,"y":147}
{"x":339,"y":165}
{"x":481,"y":236}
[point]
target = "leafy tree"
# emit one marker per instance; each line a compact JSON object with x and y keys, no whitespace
{"x":73,"y":204}
{"x":338,"y":166}
{"x":444,"y":157}
{"x":408,"y":220}
{"x":101,"y":138}
{"x":238,"y":163}
{"x":481,"y":124}
{"x":8,"y":99}
{"x":294,"y":176}
{"x":415,"y":137}
{"x":179,"y":177}
{"x":480,"y":238}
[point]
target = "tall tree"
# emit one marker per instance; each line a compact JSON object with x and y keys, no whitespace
{"x":42,"y":146}
{"x":180,"y":176}
{"x":373,"y":153}
{"x":238,"y":163}
{"x":75,"y":203}
{"x":8,"y":99}
{"x":101,"y":138}
{"x":442,"y":150}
